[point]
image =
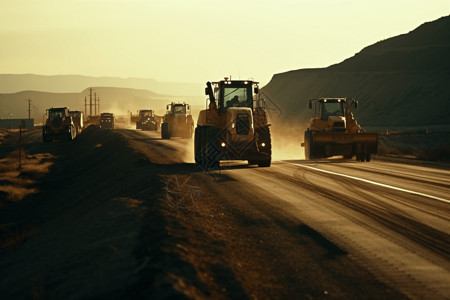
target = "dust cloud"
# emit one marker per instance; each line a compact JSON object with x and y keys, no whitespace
{"x":286,"y":139}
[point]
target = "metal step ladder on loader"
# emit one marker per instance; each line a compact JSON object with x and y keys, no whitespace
{"x":334,"y":131}
{"x":234,"y":127}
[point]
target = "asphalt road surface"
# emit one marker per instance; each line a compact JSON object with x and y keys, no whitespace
{"x":321,"y":229}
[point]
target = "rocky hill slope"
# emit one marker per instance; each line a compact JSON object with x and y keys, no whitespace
{"x":401,"y":82}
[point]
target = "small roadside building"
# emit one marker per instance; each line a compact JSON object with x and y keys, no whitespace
{"x":15,"y":123}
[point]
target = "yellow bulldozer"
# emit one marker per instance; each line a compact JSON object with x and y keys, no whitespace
{"x":333,"y":131}
{"x":233,"y":128}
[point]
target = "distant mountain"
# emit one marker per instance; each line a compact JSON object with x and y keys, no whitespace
{"x":112,"y":99}
{"x":11,"y":83}
{"x":403,"y":81}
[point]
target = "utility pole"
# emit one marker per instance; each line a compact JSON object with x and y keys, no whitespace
{"x":29,"y":108}
{"x":95,"y":103}
{"x":98,"y":103}
{"x":85,"y":105}
{"x":90,"y":101}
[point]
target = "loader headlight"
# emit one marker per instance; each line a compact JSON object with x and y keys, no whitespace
{"x":232,"y":125}
{"x":263,"y":144}
{"x":223,"y":144}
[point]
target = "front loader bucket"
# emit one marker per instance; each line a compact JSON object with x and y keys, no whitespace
{"x":328,"y":144}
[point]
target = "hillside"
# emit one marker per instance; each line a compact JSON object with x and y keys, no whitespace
{"x":401,"y":82}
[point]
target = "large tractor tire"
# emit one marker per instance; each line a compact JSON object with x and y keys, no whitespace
{"x":198,"y":145}
{"x":206,"y":147}
{"x":263,"y":137}
{"x":309,"y":153}
{"x":165,"y":131}
{"x":45,"y":138}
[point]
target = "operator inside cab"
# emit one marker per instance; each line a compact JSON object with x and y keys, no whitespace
{"x":331,"y":109}
{"x":238,"y":97}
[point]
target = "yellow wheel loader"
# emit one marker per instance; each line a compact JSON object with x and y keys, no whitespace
{"x":334,"y":131}
{"x":147,"y":120}
{"x":234,"y":128}
{"x":58,"y":126}
{"x":177,"y":121}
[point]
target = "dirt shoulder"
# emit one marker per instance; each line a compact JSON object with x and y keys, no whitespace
{"x":117,"y":216}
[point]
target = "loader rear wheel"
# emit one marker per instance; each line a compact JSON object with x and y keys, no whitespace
{"x":165,"y":131}
{"x":308,"y":146}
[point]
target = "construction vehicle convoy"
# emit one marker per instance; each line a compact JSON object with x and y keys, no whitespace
{"x":177,"y":122}
{"x":147,"y":120}
{"x":107,"y":121}
{"x":334,"y":131}
{"x":59,"y":125}
{"x":234,"y":128}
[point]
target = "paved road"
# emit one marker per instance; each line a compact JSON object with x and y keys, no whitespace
{"x":125,"y":214}
{"x":394,"y":218}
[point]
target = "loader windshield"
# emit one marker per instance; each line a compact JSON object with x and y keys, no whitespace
{"x":237,"y":97}
{"x":146,"y":113}
{"x":332,"y":108}
{"x":57,"y":114}
{"x":179,"y":109}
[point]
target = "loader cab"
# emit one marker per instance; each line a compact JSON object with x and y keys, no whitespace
{"x":235,"y":93}
{"x":145,"y":113}
{"x":326,"y":107}
{"x":58,"y":113}
{"x":178,"y":109}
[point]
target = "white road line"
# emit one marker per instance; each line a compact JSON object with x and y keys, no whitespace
{"x":373,"y":182}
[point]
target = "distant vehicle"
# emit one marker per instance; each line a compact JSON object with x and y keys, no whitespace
{"x":234,"y":128}
{"x":59,"y":125}
{"x":107,"y":121}
{"x":177,"y":121}
{"x":334,"y":131}
{"x":147,"y":120}
{"x":77,"y":118}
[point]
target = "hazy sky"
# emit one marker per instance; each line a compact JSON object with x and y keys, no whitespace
{"x":197,"y":40}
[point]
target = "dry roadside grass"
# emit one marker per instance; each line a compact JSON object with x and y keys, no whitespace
{"x":16,"y":183}
{"x":433,"y":146}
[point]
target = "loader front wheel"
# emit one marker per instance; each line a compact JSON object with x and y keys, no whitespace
{"x":165,"y":135}
{"x":197,"y":145}
{"x":206,"y":150}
